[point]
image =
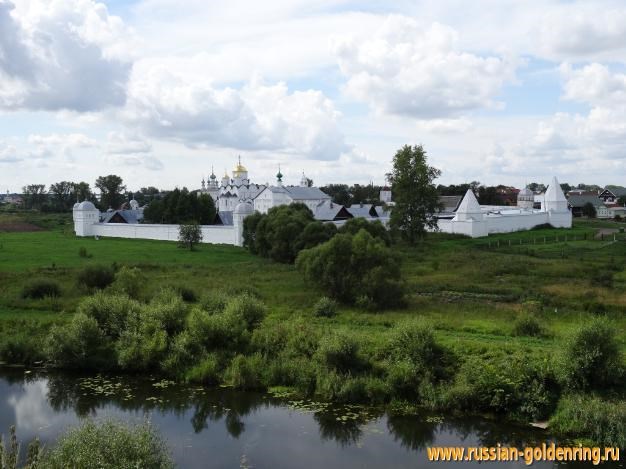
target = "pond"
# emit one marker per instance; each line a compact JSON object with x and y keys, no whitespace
{"x":222,"y":428}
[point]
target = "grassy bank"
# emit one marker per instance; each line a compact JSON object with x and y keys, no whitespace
{"x":478,"y":298}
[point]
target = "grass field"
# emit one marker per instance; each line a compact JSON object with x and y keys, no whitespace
{"x":470,"y":291}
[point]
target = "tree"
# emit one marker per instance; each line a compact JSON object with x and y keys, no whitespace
{"x":354,"y":268}
{"x":181,"y":206}
{"x":146,"y":195}
{"x":188,"y":235}
{"x":34,"y":196}
{"x":111,"y":191}
{"x":488,"y":195}
{"x":374,"y":228}
{"x":62,"y":195}
{"x":339,"y":193}
{"x":415,"y":195}
{"x":589,"y":210}
{"x":622,"y":200}
{"x":82,"y":191}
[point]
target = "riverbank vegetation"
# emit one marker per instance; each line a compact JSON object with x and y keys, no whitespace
{"x":484,"y":329}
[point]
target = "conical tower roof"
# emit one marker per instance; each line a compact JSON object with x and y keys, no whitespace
{"x":469,"y":204}
{"x":554,"y":193}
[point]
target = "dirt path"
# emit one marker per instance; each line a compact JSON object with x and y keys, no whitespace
{"x":606,"y":232}
{"x":16,"y":227}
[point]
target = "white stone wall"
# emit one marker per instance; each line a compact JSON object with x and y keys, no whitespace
{"x":214,"y":234}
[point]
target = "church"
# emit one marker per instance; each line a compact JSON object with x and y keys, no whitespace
{"x":231,"y":191}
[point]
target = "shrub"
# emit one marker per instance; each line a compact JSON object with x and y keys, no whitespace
{"x":96,"y":276}
{"x":188,"y":235}
{"x":10,"y":456}
{"x":187,"y":294}
{"x":591,"y":357}
{"x":205,"y":372}
{"x":340,"y":352}
{"x":349,"y":267}
{"x":129,"y":281}
{"x":21,"y":348}
{"x":246,"y":308}
{"x":295,"y":338}
{"x":325,"y":308}
{"x":246,"y":372}
{"x":297,"y":372}
{"x":168,"y":311}
{"x":110,"y":444}
{"x":41,"y":288}
{"x":111,"y":312}
{"x":213,"y":302}
{"x":602,"y":421}
{"x":216,"y":331}
{"x":527,"y":324}
{"x":79,"y":344}
{"x":315,"y":233}
{"x":374,"y":228}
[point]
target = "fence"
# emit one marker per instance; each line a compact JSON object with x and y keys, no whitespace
{"x":540,"y":240}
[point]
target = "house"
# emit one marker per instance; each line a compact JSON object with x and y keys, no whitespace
{"x":273,"y":196}
{"x":363,"y":211}
{"x":577,"y":201}
{"x":330,"y":211}
{"x":612,"y":194}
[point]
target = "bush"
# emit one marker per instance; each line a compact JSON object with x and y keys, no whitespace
{"x":21,"y":348}
{"x":600,"y":420}
{"x":314,"y":234}
{"x":216,"y":331}
{"x":110,"y":444}
{"x":41,"y":288}
{"x":96,"y":276}
{"x":355,"y":267}
{"x":213,"y":302}
{"x":374,"y":228}
{"x":205,"y":372}
{"x":111,"y":312}
{"x":246,"y":372}
{"x":325,"y":308}
{"x":246,"y":308}
{"x":129,"y":281}
{"x":80,"y":344}
{"x":340,"y":352}
{"x":295,"y":338}
{"x":187,"y":294}
{"x":591,"y":357}
{"x":527,"y":324}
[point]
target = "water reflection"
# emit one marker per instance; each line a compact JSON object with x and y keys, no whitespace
{"x":221,"y":427}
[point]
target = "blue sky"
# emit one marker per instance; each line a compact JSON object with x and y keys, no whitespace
{"x":158,"y":91}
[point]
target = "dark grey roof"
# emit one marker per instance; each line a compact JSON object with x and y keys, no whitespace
{"x":129,"y":216}
{"x":363,"y":211}
{"x":328,"y":211}
{"x":577,"y":200}
{"x":450,"y":202}
{"x":617,"y":191}
{"x":306,"y":193}
{"x":224,"y":218}
{"x":382,"y":211}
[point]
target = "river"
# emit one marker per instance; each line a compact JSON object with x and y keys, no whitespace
{"x":222,"y":428}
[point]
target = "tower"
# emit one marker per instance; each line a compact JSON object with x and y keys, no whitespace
{"x":555,"y":200}
{"x":242,"y":210}
{"x":279,"y":177}
{"x":85,"y":215}
{"x":240,"y":174}
{"x":304,"y":181}
{"x":526,"y":199}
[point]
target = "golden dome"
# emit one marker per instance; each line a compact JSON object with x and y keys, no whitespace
{"x":240,"y":168}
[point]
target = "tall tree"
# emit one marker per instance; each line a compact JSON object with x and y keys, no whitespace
{"x":415,"y":195}
{"x":34,"y":196}
{"x":62,"y":193}
{"x":111,"y":191}
{"x":82,"y":191}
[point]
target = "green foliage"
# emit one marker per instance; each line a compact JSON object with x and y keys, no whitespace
{"x":415,"y":196}
{"x":111,"y":191}
{"x":129,"y":281}
{"x":348,"y":267}
{"x":110,"y":444}
{"x":374,"y":228}
{"x":21,"y":348}
{"x":340,"y":352}
{"x":39,"y":288}
{"x":591,"y":358}
{"x":315,"y":233}
{"x":189,"y":235}
{"x":246,"y":372}
{"x":181,"y":207}
{"x":512,"y":385}
{"x":589,"y":210}
{"x":325,"y":307}
{"x":275,"y":235}
{"x":207,"y":371}
{"x":187,"y":294}
{"x":527,"y":324}
{"x":96,"y":276}
{"x":10,"y":455}
{"x":247,"y":308}
{"x":82,"y":252}
{"x":601,"y":420}
{"x":78,"y":344}
{"x":112,"y":313}
{"x":414,"y":341}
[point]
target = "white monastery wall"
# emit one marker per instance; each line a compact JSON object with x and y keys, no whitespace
{"x":210,"y":234}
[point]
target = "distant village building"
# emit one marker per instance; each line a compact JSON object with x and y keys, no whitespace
{"x":605,"y":202}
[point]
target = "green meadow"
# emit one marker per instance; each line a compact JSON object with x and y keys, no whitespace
{"x":476,"y":295}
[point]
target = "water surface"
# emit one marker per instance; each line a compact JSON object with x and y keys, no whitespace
{"x":222,"y":428}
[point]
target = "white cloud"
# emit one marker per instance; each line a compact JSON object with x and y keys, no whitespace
{"x":410,"y":69}
{"x":62,"y":54}
{"x":172,"y":104}
{"x":594,"y":84}
{"x":123,"y":143}
{"x":582,"y":30}
{"x":8,"y":154}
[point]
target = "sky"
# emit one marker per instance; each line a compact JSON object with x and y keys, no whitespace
{"x":162,"y":92}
